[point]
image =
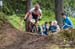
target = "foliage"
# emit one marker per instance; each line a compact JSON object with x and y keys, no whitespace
{"x":14,"y":6}
{"x":18,"y":6}
{"x":17,"y":22}
{"x":68,"y":35}
{"x":64,"y":37}
{"x":69,"y":7}
{"x":2,"y":18}
{"x":46,"y":5}
{"x":73,"y":20}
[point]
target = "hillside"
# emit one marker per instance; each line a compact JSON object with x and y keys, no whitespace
{"x":13,"y":26}
{"x":11,"y":38}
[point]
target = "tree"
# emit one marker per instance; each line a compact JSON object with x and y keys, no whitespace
{"x":59,"y":8}
{"x":14,"y":5}
{"x":28,"y":7}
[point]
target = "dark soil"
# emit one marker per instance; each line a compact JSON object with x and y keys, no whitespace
{"x":11,"y":38}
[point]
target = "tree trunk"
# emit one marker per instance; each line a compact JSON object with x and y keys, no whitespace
{"x":59,"y":8}
{"x":28,"y":7}
{"x":14,"y":5}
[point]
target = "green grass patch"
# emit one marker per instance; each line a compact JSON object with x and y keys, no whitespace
{"x":47,"y":19}
{"x":73,"y":20}
{"x":17,"y":22}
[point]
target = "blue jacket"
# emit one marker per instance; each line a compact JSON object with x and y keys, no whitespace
{"x":53,"y":28}
{"x":45,"y":30}
{"x":67,"y":21}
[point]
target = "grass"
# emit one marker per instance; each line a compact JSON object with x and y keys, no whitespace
{"x":18,"y":22}
{"x":46,"y":19}
{"x":73,"y":20}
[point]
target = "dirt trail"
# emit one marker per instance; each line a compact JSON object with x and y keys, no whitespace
{"x":11,"y":38}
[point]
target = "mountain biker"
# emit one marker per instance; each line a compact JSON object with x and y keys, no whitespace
{"x":35,"y":12}
{"x":34,"y":15}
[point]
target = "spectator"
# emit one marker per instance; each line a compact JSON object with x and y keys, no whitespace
{"x":67,"y":22}
{"x":54,"y":27}
{"x":45,"y":28}
{"x":40,"y":30}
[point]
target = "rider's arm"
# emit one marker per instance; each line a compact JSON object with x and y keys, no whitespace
{"x":30,"y":11}
{"x":26,"y":15}
{"x":40,"y":15}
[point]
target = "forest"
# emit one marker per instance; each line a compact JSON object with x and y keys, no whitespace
{"x":13,"y":26}
{"x":17,"y":9}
